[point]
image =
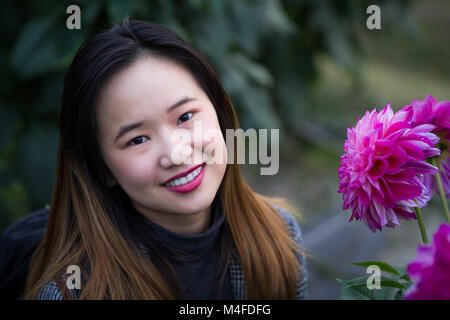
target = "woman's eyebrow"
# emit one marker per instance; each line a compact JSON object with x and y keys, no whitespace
{"x":180,"y":102}
{"x":128,"y":127}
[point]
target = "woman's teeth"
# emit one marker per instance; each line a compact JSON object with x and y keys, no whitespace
{"x":186,"y":179}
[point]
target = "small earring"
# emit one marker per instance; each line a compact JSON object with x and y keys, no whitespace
{"x":110,"y":181}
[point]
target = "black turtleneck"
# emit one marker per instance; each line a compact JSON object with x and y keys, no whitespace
{"x":197,"y":269}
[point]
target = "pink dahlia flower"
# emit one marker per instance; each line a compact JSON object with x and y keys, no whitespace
{"x":380,"y":172}
{"x":430,"y":271}
{"x":438,"y":114}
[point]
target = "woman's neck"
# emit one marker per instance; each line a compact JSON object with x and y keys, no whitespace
{"x":186,"y":223}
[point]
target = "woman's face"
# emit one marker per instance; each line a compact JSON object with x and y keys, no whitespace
{"x":140,"y":159}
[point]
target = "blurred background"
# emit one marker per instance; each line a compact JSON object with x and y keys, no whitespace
{"x":306,"y":67}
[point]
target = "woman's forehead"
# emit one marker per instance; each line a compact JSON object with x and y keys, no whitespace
{"x":151,"y":81}
{"x":145,"y":90}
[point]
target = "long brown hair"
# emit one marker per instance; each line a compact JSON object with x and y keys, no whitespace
{"x":87,"y":223}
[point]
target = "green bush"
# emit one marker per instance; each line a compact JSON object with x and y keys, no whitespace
{"x":263,"y":49}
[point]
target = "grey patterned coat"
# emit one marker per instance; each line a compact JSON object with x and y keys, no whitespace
{"x":51,"y":290}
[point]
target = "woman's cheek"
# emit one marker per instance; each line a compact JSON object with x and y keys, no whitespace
{"x":214,"y":147}
{"x":135,"y":171}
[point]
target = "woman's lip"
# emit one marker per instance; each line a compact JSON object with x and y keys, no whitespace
{"x":191,"y":185}
{"x":185,"y":173}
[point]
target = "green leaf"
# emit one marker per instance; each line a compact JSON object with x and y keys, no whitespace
{"x":212,"y":34}
{"x":357,"y":293}
{"x":37,"y":152}
{"x":89,"y":12}
{"x":117,"y":10}
{"x":403,"y":274}
{"x":275,"y":17}
{"x":400,"y":270}
{"x":50,"y":94}
{"x":43,"y":45}
{"x":353,"y":282}
{"x":391,"y":283}
{"x":67,"y":43}
{"x":382,"y":265}
{"x":258,"y":109}
{"x":399,"y":295}
{"x":384,"y":293}
{"x":247,"y":22}
{"x":336,"y":40}
{"x":33,"y":52}
{"x":8,"y":122}
{"x":233,"y":81}
{"x":252,"y":70}
{"x":356,"y":289}
{"x":362,"y":282}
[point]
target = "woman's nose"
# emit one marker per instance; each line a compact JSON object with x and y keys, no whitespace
{"x":176,"y":147}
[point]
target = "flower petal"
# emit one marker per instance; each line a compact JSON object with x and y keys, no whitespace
{"x":414,"y":152}
{"x":404,"y":191}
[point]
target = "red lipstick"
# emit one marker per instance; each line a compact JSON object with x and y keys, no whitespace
{"x":186,"y":181}
{"x":182,"y":174}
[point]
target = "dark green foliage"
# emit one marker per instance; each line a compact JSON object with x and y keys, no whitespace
{"x":263,"y":49}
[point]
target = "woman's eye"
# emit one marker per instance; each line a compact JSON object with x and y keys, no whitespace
{"x":137,"y":140}
{"x":185,"y":117}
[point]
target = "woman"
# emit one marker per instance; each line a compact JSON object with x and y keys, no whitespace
{"x":137,"y":221}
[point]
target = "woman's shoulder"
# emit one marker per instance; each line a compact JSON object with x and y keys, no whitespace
{"x":50,"y":291}
{"x":57,"y":289}
{"x":291,"y":221}
{"x":296,"y":234}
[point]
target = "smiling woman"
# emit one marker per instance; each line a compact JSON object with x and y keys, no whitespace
{"x":139,"y":224}
{"x":140,"y":159}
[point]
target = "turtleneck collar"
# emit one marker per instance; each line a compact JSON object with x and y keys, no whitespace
{"x":192,"y":246}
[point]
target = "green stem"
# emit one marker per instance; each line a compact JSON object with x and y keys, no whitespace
{"x":441,"y":190}
{"x":421,"y":224}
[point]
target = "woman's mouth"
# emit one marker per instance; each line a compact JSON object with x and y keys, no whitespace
{"x":188,"y":182}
